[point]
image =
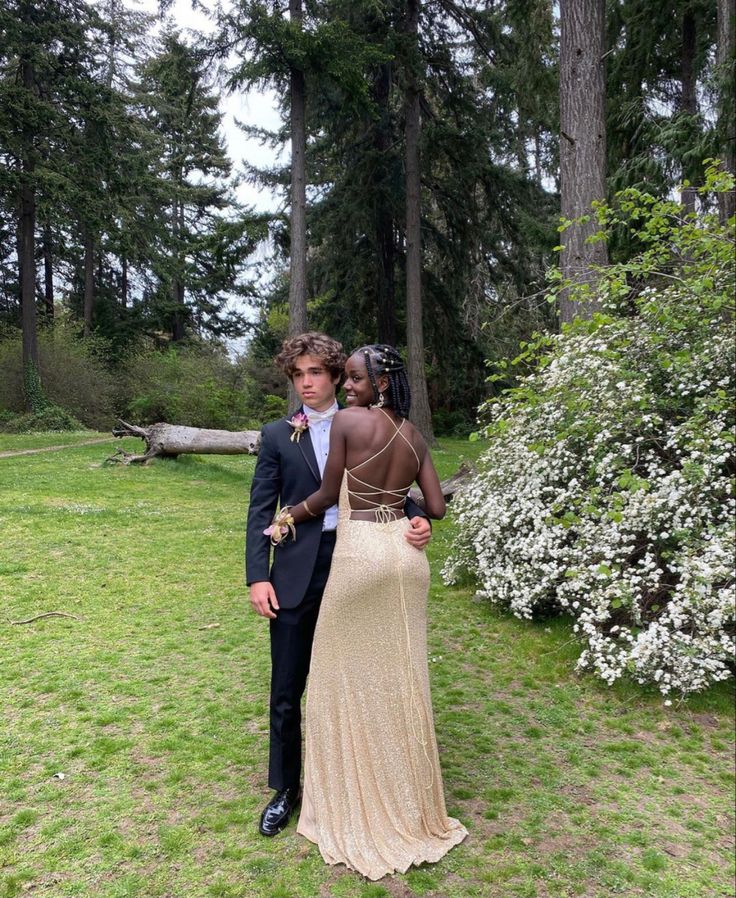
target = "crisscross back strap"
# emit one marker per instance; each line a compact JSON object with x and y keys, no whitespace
{"x":372,"y":489}
{"x":397,"y":432}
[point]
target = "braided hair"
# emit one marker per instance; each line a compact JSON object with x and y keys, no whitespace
{"x":381,"y":359}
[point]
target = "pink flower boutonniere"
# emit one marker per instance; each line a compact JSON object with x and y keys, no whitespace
{"x":300,"y":422}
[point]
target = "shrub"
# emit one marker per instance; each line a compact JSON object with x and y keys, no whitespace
{"x":196,"y":385}
{"x":73,"y":377}
{"x":608,"y":487}
{"x":273,"y":407}
{"x":51,"y":417}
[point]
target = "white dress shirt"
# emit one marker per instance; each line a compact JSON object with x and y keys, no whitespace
{"x":320,"y":433}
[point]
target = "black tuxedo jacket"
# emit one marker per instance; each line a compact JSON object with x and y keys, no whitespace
{"x":286,"y":473}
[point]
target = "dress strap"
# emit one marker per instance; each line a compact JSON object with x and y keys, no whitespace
{"x":403,"y":436}
{"x":399,"y":495}
{"x":397,"y":433}
{"x":383,"y":510}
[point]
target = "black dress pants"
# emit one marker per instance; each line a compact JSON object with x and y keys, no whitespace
{"x":292,"y":633}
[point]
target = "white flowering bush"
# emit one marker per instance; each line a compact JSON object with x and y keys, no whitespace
{"x":608,"y":487}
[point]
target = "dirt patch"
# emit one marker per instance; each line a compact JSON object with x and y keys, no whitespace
{"x":396,"y":888}
{"x":14,"y":452}
{"x":579,"y":794}
{"x":44,"y":882}
{"x":705,"y":720}
{"x":563,"y":838}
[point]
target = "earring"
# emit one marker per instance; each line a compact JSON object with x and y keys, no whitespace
{"x":381,"y":401}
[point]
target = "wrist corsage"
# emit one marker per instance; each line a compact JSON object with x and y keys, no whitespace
{"x":300,"y":422}
{"x":281,"y":526}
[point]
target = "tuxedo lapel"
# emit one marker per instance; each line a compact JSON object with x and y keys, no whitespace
{"x":307,"y":450}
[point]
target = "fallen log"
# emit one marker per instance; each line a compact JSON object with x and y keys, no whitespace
{"x":451,"y":486}
{"x":171,"y":440}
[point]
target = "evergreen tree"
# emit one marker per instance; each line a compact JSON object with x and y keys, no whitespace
{"x":109,"y":170}
{"x":298,"y":127}
{"x":202,"y":250}
{"x":485,"y":217}
{"x":659,"y":63}
{"x":486,"y":222}
{"x":45,"y":65}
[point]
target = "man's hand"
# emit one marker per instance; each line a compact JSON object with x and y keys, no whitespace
{"x":420,"y":533}
{"x":263,"y":599}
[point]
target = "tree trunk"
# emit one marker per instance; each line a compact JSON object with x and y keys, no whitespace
{"x":688,"y":99}
{"x":582,"y":144}
{"x":178,"y":317}
{"x":385,"y":277}
{"x":450,"y":487}
{"x":178,"y":323}
{"x":27,"y":263}
{"x":48,"y":275}
{"x":89,"y":281}
{"x":420,"y":411}
{"x":298,"y":252}
{"x":124,"y":282}
{"x":725,"y":53}
{"x":27,"y":268}
{"x":384,"y":220}
{"x":538,"y":171}
{"x":112,"y":18}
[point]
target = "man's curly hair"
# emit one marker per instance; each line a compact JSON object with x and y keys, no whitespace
{"x":314,"y":343}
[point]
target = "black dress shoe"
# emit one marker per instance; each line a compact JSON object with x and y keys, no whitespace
{"x":277,"y":812}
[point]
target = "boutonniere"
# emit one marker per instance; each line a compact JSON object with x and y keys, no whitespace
{"x":300,"y":422}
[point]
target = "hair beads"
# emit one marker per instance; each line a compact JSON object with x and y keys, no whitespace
{"x":382,"y":359}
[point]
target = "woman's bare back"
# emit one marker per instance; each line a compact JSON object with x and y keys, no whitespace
{"x":383,"y":456}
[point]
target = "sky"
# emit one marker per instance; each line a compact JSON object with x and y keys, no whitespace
{"x":252,"y":107}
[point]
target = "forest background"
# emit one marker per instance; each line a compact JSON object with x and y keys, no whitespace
{"x":119,"y":223}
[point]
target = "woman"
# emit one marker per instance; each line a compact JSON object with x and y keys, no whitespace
{"x":373,"y":795}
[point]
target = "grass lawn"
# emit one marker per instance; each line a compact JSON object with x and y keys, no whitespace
{"x":153,"y":706}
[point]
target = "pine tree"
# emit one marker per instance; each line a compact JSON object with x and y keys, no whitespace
{"x":659,"y":64}
{"x":298,"y":127}
{"x":485,"y":225}
{"x":202,"y":253}
{"x":486,"y":221}
{"x":45,"y":67}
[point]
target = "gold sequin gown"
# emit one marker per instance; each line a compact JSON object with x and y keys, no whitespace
{"x":373,"y":796}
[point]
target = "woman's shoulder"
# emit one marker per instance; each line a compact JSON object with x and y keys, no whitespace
{"x":351,"y":417}
{"x":415,"y":435}
{"x":354,"y":413}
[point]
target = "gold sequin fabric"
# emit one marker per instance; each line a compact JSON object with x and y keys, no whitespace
{"x":373,"y":796}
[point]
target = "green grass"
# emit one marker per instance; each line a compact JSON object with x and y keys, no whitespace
{"x":160,"y":728}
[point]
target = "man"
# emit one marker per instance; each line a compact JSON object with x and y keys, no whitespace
{"x":290,"y":465}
